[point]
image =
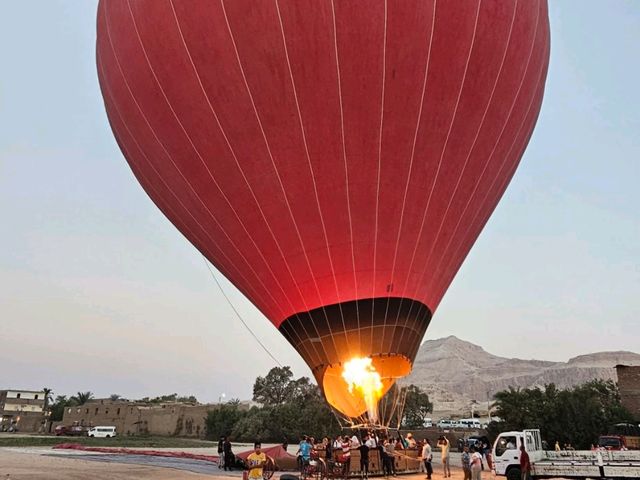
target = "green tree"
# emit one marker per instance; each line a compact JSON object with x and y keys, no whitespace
{"x":81,"y":398}
{"x":274,"y":389}
{"x":57,"y":407}
{"x":223,"y":419}
{"x":114,"y":397}
{"x":187,"y":399}
{"x":577,"y":415}
{"x":48,"y":392}
{"x":417,"y":407}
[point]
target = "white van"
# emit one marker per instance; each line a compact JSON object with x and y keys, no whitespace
{"x":446,"y":423}
{"x":469,"y":423}
{"x":102,"y":432}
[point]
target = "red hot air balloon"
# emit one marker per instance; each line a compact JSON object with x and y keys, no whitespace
{"x":336,"y":160}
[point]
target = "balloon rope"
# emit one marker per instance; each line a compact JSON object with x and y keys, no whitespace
{"x":237,"y":313}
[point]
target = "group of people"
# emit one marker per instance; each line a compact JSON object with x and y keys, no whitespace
{"x":339,"y":449}
{"x":389,"y":447}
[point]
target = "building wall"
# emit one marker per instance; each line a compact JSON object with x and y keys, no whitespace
{"x":19,"y":407}
{"x":629,"y":387}
{"x":141,"y":419}
{"x":23,"y":409}
{"x":25,"y":395}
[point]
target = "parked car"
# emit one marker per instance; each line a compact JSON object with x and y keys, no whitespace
{"x":73,"y":430}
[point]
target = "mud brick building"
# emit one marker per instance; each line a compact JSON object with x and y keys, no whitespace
{"x":22,"y":410}
{"x":629,"y":387}
{"x":137,"y":418}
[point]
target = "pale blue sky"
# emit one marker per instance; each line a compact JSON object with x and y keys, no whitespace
{"x":98,"y":291}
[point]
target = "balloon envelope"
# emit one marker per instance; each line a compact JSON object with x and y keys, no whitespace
{"x":335,"y":160}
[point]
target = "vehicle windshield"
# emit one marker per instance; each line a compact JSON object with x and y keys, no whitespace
{"x":504,"y":444}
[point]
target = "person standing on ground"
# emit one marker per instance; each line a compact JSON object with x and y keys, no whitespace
{"x":476,"y":465}
{"x":221,"y":452}
{"x":304,"y":452}
{"x":337,"y":443}
{"x":328,"y":448}
{"x":390,"y":457}
{"x":364,"y":458}
{"x":256,"y":462}
{"x":466,"y":462}
{"x":346,"y":456}
{"x":525,"y":464}
{"x":427,"y":457}
{"x":444,"y":445}
{"x":228,"y":454}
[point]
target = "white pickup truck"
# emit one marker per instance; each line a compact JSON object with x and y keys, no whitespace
{"x":565,"y":464}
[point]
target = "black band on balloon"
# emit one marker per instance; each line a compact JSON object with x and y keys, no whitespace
{"x":368,"y":327}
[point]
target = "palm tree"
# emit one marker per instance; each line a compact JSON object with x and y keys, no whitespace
{"x":48,"y":398}
{"x":81,"y":398}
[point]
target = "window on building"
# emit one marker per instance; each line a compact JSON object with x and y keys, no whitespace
{"x":106,"y":411}
{"x":86,"y":411}
{"x":97,"y":410}
{"x":118,"y":412}
{"x":35,"y":397}
{"x":18,"y":395}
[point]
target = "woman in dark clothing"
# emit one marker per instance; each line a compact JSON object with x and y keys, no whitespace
{"x":228,"y":454}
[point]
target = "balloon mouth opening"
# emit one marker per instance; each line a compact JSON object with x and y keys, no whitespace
{"x":354,"y":387}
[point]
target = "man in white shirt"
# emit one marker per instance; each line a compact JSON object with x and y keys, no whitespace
{"x":355,"y":443}
{"x":371,"y":442}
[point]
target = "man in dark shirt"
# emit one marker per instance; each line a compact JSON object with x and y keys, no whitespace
{"x":364,"y":459}
{"x":221,"y":452}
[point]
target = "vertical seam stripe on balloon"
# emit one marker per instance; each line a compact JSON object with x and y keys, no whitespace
{"x":535,"y":99}
{"x":196,"y":151}
{"x":346,"y":169}
{"x":412,"y":156}
{"x":506,"y":156}
{"x":306,"y":149}
{"x":375,"y":229}
{"x":424,"y":215}
{"x":147,"y":181}
{"x":466,"y":161}
{"x":182,"y":175}
{"x":264,"y":136}
{"x":126,"y":83}
{"x":233,"y":154}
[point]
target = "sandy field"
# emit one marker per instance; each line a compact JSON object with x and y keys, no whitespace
{"x":44,"y":464}
{"x":33,"y":466}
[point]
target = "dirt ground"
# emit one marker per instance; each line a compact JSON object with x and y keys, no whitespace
{"x":23,"y":466}
{"x":35,"y":465}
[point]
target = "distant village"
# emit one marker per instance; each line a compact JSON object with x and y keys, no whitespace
{"x":30,"y":411}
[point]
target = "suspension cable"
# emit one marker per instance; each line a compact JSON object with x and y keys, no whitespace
{"x":206,"y":262}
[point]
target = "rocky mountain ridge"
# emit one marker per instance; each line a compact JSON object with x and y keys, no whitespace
{"x":456,"y":373}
